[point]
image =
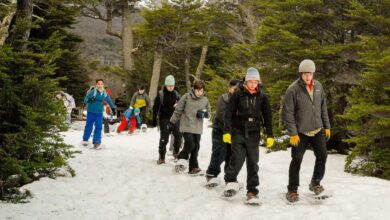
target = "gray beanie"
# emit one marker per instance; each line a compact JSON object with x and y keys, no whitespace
{"x":170,"y":81}
{"x":307,"y":66}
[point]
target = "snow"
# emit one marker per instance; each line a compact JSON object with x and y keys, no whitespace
{"x":123,"y":181}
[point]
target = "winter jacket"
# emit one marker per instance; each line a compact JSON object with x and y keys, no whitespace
{"x":129,"y":113}
{"x":140,"y":100}
{"x":246,"y":113}
{"x":165,"y":110}
{"x":95,"y":104}
{"x":300,"y":113}
{"x":222,"y":102}
{"x":186,"y":111}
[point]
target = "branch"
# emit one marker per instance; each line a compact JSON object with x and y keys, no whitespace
{"x":170,"y":64}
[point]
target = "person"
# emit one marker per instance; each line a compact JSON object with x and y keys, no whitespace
{"x":163,"y":108}
{"x":248,"y":107}
{"x":107,"y":118}
{"x":140,"y":99}
{"x":69,"y":104}
{"x":305,"y":116}
{"x":192,"y":108}
{"x":130,"y":120}
{"x":221,"y":151}
{"x":94,"y":100}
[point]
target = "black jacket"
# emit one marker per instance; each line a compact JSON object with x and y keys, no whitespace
{"x":246,"y":113}
{"x":220,"y":112}
{"x":165,"y":110}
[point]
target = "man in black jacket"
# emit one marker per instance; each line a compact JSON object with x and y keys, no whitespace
{"x":163,"y":108}
{"x":221,"y":151}
{"x":247,"y":109}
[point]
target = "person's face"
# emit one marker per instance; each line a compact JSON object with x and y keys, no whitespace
{"x":252,"y":84}
{"x":232,"y":89}
{"x":307,"y":77}
{"x":100,"y":84}
{"x":141,"y":91}
{"x":199,"y":92}
{"x":170,"y":88}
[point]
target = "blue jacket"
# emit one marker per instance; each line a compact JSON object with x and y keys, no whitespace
{"x":129,"y":113}
{"x":96,"y":104}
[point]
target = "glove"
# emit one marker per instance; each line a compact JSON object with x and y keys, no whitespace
{"x":294,"y":140}
{"x":113,"y":111}
{"x":327,"y":134}
{"x":227,"y":138}
{"x":270,"y":142}
{"x":170,"y":126}
{"x":90,"y":100}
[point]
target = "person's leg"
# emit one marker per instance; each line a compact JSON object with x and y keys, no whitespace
{"x":320,"y":151}
{"x":132,"y":124}
{"x":194,"y":152}
{"x":188,"y":146}
{"x":218,"y":154}
{"x":122,"y":126}
{"x":295,"y":165}
{"x":252,"y":162}
{"x":178,"y":138}
{"x":106,"y":126}
{"x":237,"y":159}
{"x":88,"y":126}
{"x":97,"y":133}
{"x":228,"y":156}
{"x":164,"y":137}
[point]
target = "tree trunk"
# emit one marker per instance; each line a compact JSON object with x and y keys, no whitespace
{"x":202,"y":61}
{"x":23,"y":17}
{"x":127,"y":37}
{"x":187,"y":68}
{"x":4,"y":27}
{"x":156,"y":73}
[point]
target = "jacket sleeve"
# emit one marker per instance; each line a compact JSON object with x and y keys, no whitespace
{"x":220,"y":108}
{"x":267,"y":116}
{"x":156,"y":107}
{"x":88,"y":96}
{"x":179,"y":109}
{"x":133,"y":99}
{"x":289,"y":112}
{"x":324,"y":111}
{"x":108,"y":98}
{"x":148,"y":101}
{"x":231,"y":108}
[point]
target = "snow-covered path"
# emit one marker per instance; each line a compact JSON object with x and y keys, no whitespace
{"x":123,"y":181}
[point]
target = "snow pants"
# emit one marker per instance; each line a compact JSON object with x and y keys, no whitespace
{"x":190,"y":149}
{"x":318,"y":143}
{"x":164,"y":137}
{"x":221,"y":152}
{"x":130,"y":125}
{"x":97,"y":120}
{"x":106,"y":123}
{"x":245,"y":149}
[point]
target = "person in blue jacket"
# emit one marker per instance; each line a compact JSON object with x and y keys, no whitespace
{"x":131,"y":120}
{"x":95,"y":101}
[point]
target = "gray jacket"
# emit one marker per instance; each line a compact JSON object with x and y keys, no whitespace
{"x":138,"y":99}
{"x":300,"y":113}
{"x":220,"y":112}
{"x":186,"y":111}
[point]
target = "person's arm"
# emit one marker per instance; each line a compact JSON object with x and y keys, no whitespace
{"x":156,"y":108}
{"x":133,"y":99}
{"x":148,"y":103}
{"x":289,"y":112}
{"x":267,"y":116}
{"x":324,"y":111}
{"x":110,"y":102}
{"x":88,"y":96}
{"x":231,"y":108}
{"x":179,"y":109}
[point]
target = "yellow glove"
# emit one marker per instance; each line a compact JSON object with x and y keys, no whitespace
{"x":270,"y":142}
{"x":327,"y":133}
{"x":294,"y":140}
{"x":227,"y":138}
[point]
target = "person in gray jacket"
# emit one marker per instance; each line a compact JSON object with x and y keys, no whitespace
{"x":140,"y":99}
{"x":306,"y":117}
{"x":191,"y":110}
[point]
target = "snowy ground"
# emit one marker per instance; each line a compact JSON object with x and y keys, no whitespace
{"x":123,"y":181}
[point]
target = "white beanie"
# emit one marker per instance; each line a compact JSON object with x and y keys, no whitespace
{"x":307,"y":66}
{"x":169,"y":80}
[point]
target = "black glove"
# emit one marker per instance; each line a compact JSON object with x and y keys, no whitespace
{"x":113,"y":111}
{"x":170,"y":126}
{"x":202,"y":114}
{"x":90,"y":100}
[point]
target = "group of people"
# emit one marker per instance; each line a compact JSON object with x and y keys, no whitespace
{"x":241,"y":114}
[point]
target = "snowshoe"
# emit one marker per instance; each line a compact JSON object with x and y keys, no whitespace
{"x":292,"y":196}
{"x":316,"y":188}
{"x":212,"y":182}
{"x":144,"y":128}
{"x":231,"y":189}
{"x":85,"y":143}
{"x":252,"y":199}
{"x":195,"y":172}
{"x":160,"y":161}
{"x":181,"y":166}
{"x":97,"y":146}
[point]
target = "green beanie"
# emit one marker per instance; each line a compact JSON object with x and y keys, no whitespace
{"x":170,"y":81}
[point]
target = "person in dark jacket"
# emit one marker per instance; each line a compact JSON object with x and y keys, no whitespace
{"x":163,"y":108}
{"x":306,"y":116}
{"x":248,"y":107}
{"x":221,"y":151}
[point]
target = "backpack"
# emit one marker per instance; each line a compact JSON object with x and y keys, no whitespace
{"x":95,"y":91}
{"x":161,"y":96}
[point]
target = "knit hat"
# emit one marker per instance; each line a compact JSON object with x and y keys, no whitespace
{"x":169,"y":80}
{"x":252,"y":74}
{"x":307,"y":66}
{"x":137,"y":111}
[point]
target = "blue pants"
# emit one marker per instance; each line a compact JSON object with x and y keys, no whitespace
{"x":221,"y":152}
{"x":97,"y":119}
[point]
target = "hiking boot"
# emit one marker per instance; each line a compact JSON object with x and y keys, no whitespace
{"x":194,"y":171}
{"x":96,"y":146}
{"x":292,"y":196}
{"x":316,"y":188}
{"x":251,"y":195}
{"x":160,"y":161}
{"x":85,"y":143}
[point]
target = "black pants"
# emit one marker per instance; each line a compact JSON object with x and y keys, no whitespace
{"x":245,"y":149}
{"x":164,"y":137}
{"x":106,"y":125}
{"x":319,"y":147}
{"x":190,"y":149}
{"x":221,"y":152}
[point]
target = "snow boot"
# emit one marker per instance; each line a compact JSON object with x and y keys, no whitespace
{"x":212,"y":181}
{"x":181,"y":165}
{"x":231,"y":189}
{"x":252,"y":199}
{"x":292,"y":196}
{"x":97,"y":146}
{"x":316,"y":188}
{"x":194,"y":171}
{"x":160,"y":161}
{"x":85,"y":143}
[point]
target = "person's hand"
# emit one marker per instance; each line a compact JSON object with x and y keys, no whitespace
{"x":270,"y":142}
{"x":294,"y":140}
{"x":327,"y":134}
{"x":227,"y":138}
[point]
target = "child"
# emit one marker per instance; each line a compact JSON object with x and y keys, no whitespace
{"x":130,"y":121}
{"x":94,"y":101}
{"x":192,"y":108}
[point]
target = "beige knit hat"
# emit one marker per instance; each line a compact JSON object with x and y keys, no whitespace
{"x":307,"y":66}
